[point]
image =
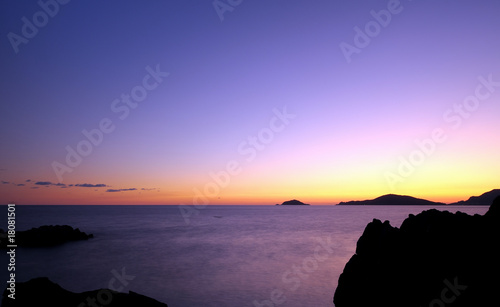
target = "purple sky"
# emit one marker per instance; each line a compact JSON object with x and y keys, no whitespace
{"x":353,"y":119}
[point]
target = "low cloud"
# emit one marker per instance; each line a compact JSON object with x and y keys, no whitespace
{"x":121,"y":190}
{"x":61,"y":185}
{"x":48,"y":184}
{"x":89,"y":185}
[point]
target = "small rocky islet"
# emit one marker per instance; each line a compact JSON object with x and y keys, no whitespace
{"x":292,"y":202}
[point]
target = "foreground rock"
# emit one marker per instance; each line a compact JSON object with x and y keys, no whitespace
{"x":435,"y":259}
{"x":42,"y":292}
{"x":46,"y":236}
{"x":293,"y":202}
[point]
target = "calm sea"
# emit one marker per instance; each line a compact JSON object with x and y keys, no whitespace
{"x":224,"y":256}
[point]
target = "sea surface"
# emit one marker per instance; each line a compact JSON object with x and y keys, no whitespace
{"x":221,"y":256}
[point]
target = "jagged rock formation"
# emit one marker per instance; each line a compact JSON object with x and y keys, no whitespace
{"x":435,"y":259}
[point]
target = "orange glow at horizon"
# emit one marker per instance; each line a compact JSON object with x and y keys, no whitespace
{"x":242,"y":196}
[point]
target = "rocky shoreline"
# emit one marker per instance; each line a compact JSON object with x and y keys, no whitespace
{"x":45,"y":236}
{"x":43,"y":292}
{"x":436,"y":258}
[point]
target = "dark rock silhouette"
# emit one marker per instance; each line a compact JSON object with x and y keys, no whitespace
{"x":43,"y":292}
{"x":436,"y":258}
{"x":484,"y":199}
{"x":494,"y":211}
{"x":394,"y":200}
{"x":293,"y":202}
{"x":46,"y":236}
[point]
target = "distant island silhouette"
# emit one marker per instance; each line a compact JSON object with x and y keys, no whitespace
{"x":393,"y":200}
{"x":484,"y":199}
{"x":292,"y":202}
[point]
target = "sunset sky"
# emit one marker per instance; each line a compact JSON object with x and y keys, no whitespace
{"x":247,"y":102}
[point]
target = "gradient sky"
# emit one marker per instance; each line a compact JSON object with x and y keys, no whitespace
{"x":229,"y":74}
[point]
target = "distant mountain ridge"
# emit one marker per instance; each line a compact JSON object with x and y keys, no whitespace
{"x":393,"y":200}
{"x":484,"y":199}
